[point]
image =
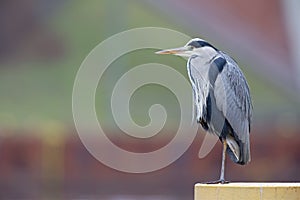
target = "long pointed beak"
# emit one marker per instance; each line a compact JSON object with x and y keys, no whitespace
{"x":179,"y":50}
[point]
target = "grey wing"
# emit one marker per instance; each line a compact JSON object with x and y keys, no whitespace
{"x":233,"y":99}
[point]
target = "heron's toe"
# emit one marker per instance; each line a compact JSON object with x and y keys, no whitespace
{"x":221,"y":181}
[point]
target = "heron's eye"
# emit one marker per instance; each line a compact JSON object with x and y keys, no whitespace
{"x":191,"y":48}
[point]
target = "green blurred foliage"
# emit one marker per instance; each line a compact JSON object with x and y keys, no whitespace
{"x":35,"y":91}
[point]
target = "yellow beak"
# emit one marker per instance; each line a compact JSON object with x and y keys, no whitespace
{"x":179,"y":50}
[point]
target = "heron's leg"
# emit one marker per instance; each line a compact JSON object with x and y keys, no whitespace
{"x":222,"y":179}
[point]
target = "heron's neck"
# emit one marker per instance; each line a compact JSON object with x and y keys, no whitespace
{"x":206,"y":53}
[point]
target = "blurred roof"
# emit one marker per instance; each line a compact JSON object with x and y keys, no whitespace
{"x":255,"y":31}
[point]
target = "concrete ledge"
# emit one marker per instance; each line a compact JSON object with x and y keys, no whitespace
{"x":253,"y":191}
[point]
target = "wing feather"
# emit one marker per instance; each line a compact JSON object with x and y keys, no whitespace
{"x":232,"y":96}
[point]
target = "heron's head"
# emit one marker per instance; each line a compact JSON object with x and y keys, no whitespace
{"x":195,"y":46}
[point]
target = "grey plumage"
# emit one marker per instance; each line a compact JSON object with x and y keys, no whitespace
{"x":230,"y":99}
{"x":221,"y":97}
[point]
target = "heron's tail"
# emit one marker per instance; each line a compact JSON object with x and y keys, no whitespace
{"x":239,"y":152}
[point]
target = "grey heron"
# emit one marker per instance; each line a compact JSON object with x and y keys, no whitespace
{"x":221,"y":97}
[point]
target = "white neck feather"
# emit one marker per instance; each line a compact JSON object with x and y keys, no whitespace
{"x":207,"y":53}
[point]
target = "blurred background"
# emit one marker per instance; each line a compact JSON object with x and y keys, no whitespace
{"x":42,"y":45}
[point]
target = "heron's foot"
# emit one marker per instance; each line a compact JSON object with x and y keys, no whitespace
{"x":221,"y":181}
